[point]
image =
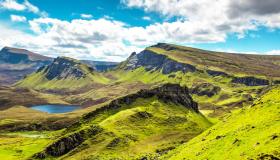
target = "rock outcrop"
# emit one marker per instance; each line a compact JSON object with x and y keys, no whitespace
{"x":250,"y":81}
{"x":205,"y":89}
{"x":63,"y":68}
{"x":217,"y":73}
{"x":168,"y":93}
{"x":154,"y":61}
{"x":68,"y":143}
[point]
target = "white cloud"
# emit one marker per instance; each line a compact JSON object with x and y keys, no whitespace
{"x":16,"y":18}
{"x":147,"y":18}
{"x":220,"y":16}
{"x":12,"y":5}
{"x":86,"y":16}
{"x":25,"y":6}
{"x":273,"y":52}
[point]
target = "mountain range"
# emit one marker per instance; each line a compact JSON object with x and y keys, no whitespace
{"x":165,"y":102}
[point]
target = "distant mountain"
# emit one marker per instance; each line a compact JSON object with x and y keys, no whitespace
{"x":63,"y":73}
{"x":101,"y":66}
{"x":16,"y":63}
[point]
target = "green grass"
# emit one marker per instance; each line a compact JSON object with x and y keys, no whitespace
{"x":248,"y":133}
{"x":22,"y":145}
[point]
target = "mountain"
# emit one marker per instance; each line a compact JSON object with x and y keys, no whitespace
{"x":251,"y":133}
{"x":135,"y":126}
{"x":217,"y":90}
{"x":16,"y":63}
{"x":62,"y":74}
{"x":101,"y":66}
{"x":172,"y":58}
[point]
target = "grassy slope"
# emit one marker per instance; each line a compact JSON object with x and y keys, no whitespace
{"x":21,"y":145}
{"x":143,"y":128}
{"x":250,"y":133}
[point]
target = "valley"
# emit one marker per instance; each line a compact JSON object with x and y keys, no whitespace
{"x":165,"y":102}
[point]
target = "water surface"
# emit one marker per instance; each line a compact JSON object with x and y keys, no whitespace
{"x":55,"y":108}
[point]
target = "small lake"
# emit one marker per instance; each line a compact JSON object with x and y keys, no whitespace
{"x":56,"y":108}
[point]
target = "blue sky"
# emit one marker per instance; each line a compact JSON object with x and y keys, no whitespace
{"x":112,"y":29}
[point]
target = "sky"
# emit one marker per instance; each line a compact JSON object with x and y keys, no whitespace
{"x":111,"y":30}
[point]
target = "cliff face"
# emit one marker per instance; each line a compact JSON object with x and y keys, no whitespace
{"x":154,"y":61}
{"x":168,"y":93}
{"x":63,"y":68}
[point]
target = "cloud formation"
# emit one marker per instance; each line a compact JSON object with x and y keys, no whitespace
{"x":25,"y":6}
{"x":86,"y":16}
{"x":197,"y":21}
{"x":17,"y":18}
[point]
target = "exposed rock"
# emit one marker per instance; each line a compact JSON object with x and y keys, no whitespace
{"x":217,"y":73}
{"x":63,"y":68}
{"x":205,"y":89}
{"x":68,"y":143}
{"x":167,"y":93}
{"x":250,"y":81}
{"x":154,"y":61}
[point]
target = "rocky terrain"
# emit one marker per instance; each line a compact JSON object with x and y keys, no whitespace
{"x":63,"y":68}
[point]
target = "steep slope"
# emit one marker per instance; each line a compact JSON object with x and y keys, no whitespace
{"x":141,"y":125}
{"x":63,"y":73}
{"x":251,"y":133}
{"x":16,"y":63}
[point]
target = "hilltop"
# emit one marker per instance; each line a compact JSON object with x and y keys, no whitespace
{"x":16,"y":63}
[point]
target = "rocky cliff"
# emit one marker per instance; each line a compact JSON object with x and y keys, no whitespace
{"x":168,"y":93}
{"x":63,"y":67}
{"x":250,"y":81}
{"x":153,"y":61}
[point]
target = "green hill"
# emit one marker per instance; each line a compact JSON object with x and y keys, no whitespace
{"x":144,"y":124}
{"x":251,"y":133}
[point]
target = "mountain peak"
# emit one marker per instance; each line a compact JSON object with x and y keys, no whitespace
{"x":65,"y":67}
